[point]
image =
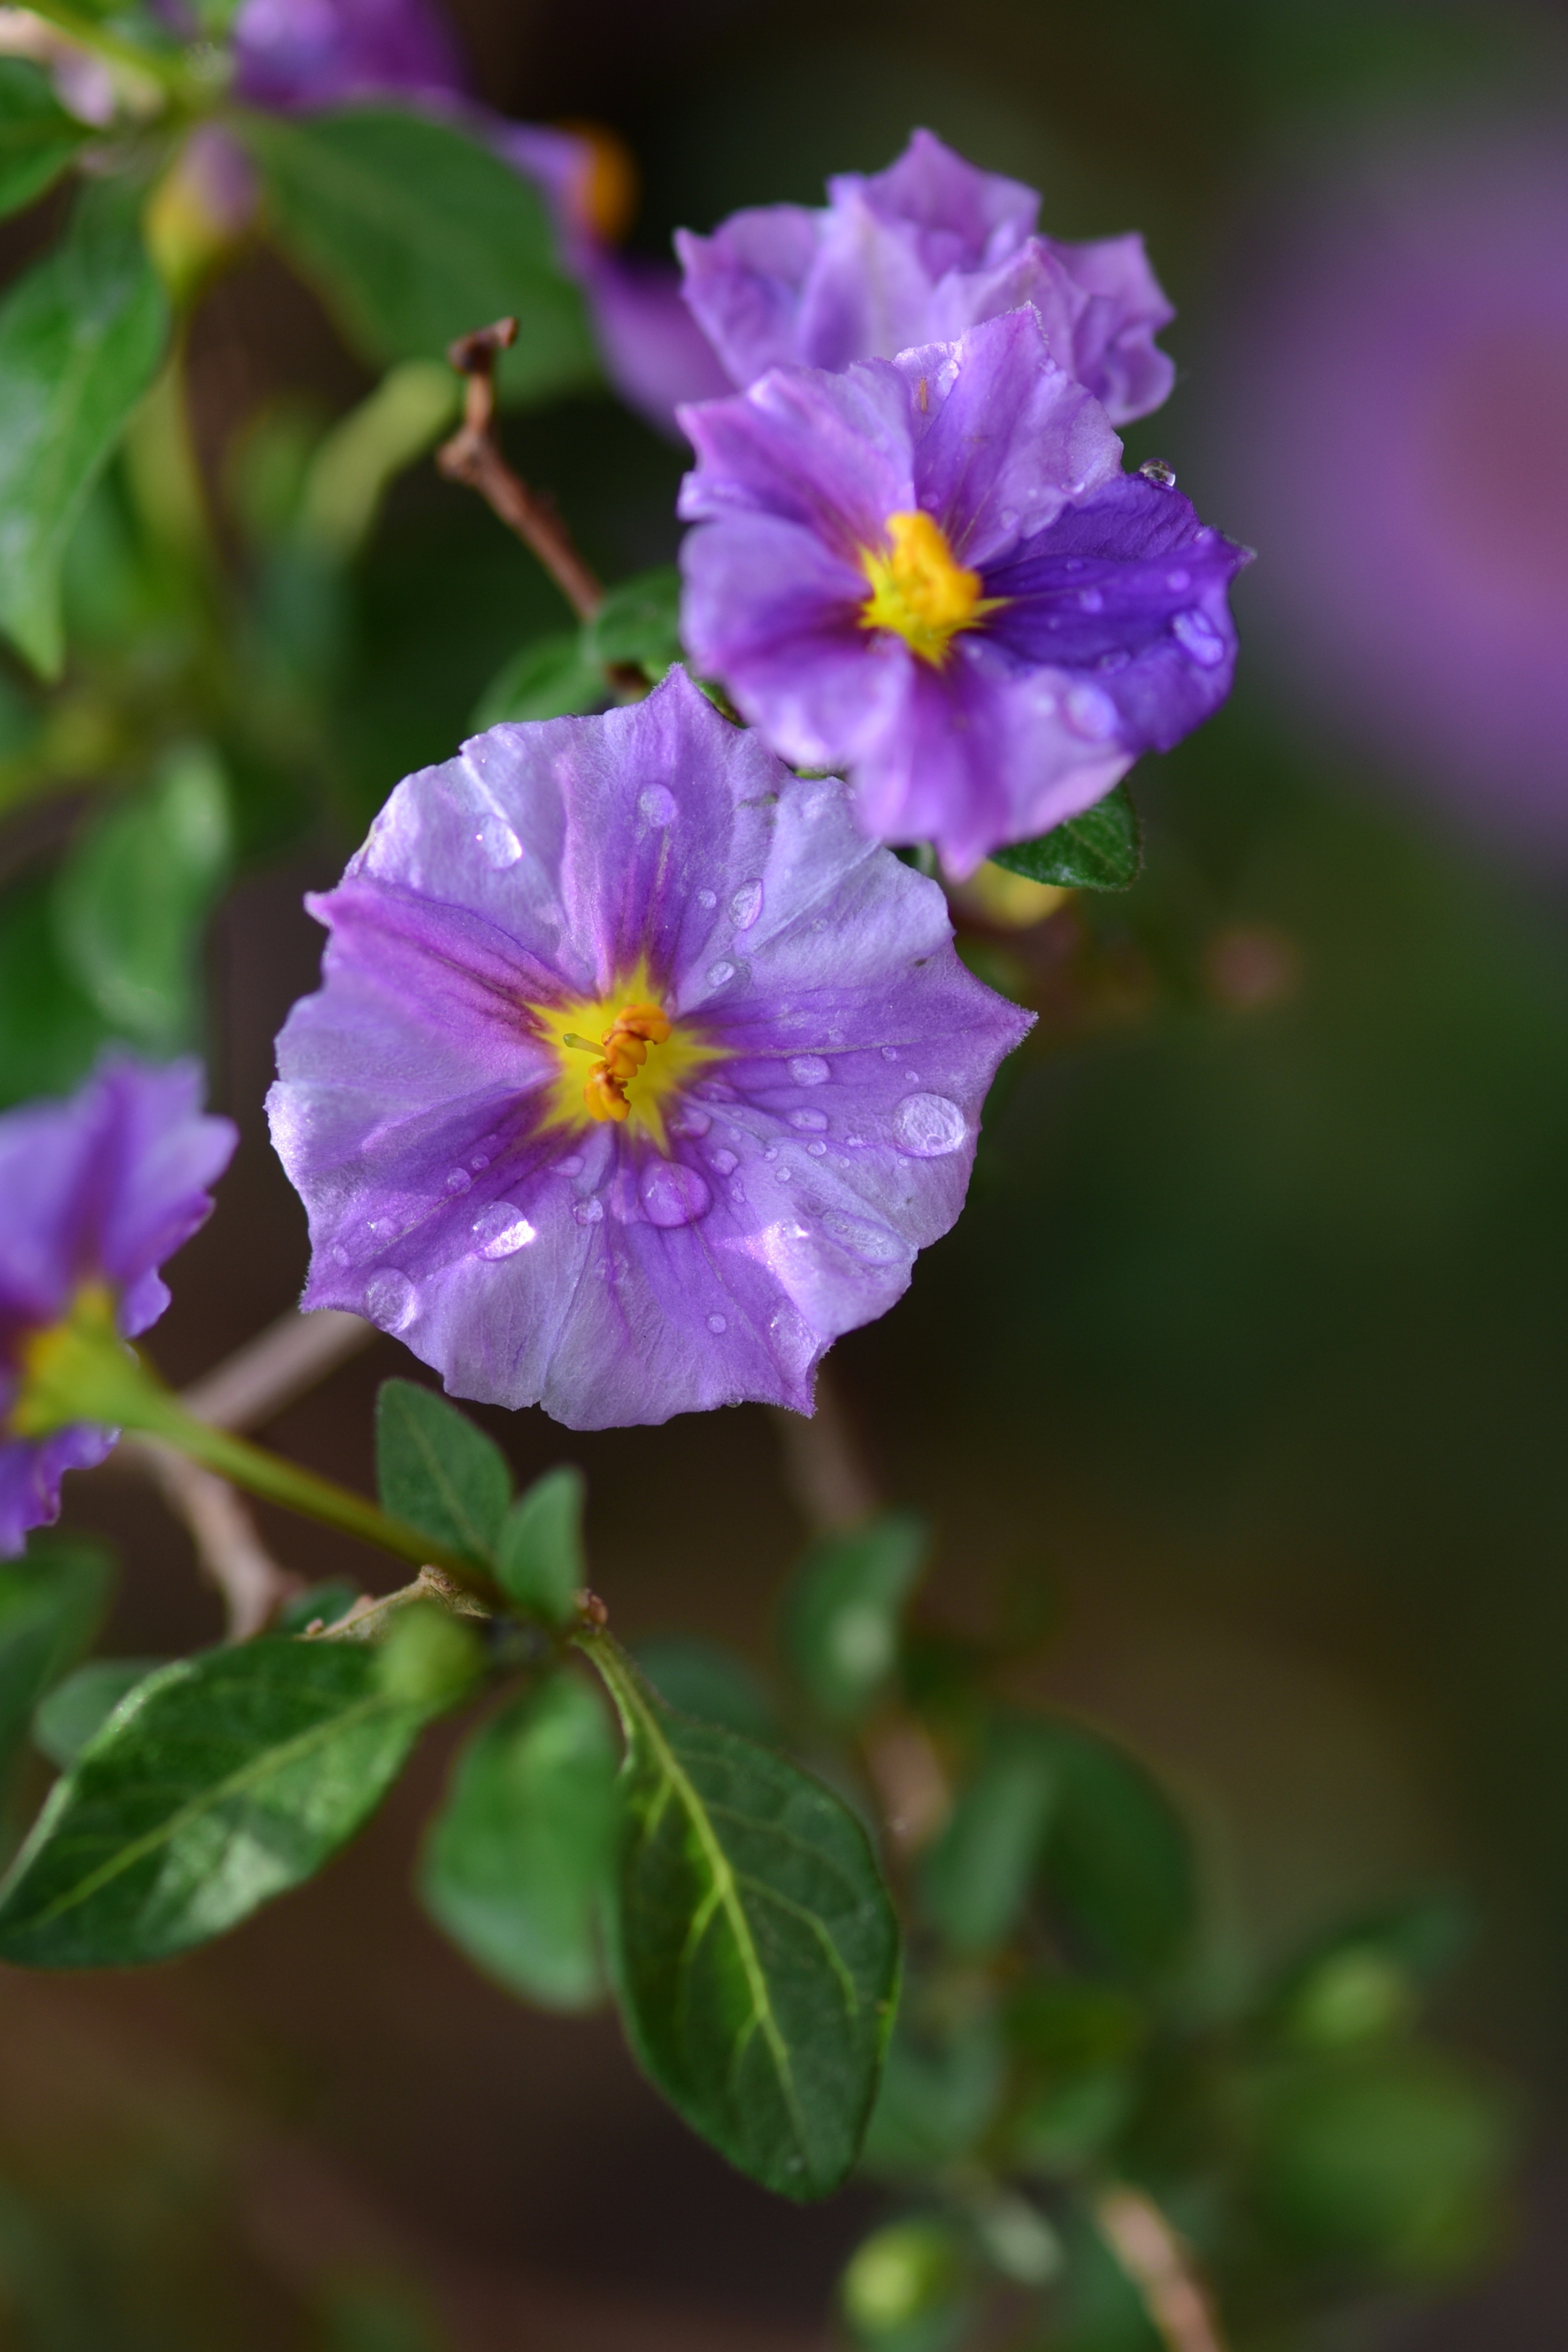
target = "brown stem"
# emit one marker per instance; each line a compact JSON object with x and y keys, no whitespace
{"x":1162,"y":2269}
{"x":233,"y":1557}
{"x":473,"y":456}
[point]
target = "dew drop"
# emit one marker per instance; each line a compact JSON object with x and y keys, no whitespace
{"x":1091,"y":599}
{"x":782,"y":1175}
{"x":571,"y":1166}
{"x":719,"y":973}
{"x":746,"y":906}
{"x":1177,"y":581}
{"x":588,"y":1212}
{"x":815,"y":1119}
{"x":708,"y":899}
{"x":725,"y":1162}
{"x":928,"y":1126}
{"x":339,"y":1254}
{"x":673,"y":1194}
{"x":657,"y":804}
{"x":692,"y":1122}
{"x":809,"y":1070}
{"x":772,"y":1152}
{"x":502,"y":1231}
{"x":459,"y":1181}
{"x":873,"y":1243}
{"x":390,"y":1299}
{"x":890,"y":1053}
{"x":716,"y":1323}
{"x":1089,"y":713}
{"x":817,"y":1149}
{"x":499,"y":846}
{"x":1156,"y":471}
{"x":1198,"y":635}
{"x":381,"y":1227}
{"x":481,"y":1160}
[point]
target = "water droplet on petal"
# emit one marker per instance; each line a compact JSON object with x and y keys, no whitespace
{"x":817,"y":1149}
{"x":716,"y":1323}
{"x":719,"y":973}
{"x":1156,"y":471}
{"x":459,"y":1181}
{"x":588,"y":1212}
{"x":381,"y":1227}
{"x":1198,"y":635}
{"x":657,"y":804}
{"x":725,"y":1162}
{"x":1091,"y":599}
{"x":815,"y":1119}
{"x":339,"y":1254}
{"x":1177,"y":581}
{"x":809,"y":1070}
{"x":746,"y":906}
{"x":499,"y":846}
{"x":673,"y":1194}
{"x":1090,"y":713}
{"x":691,"y":1121}
{"x":481,"y":1160}
{"x":782,"y":1175}
{"x":571,"y":1166}
{"x":502,"y":1231}
{"x":390,"y":1299}
{"x":928,"y":1126}
{"x":708,"y":899}
{"x":873,"y":1243}
{"x":890,"y":1053}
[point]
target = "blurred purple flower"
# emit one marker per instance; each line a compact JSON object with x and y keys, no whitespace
{"x":1396,"y":433}
{"x":932,"y":572}
{"x":915,"y":254}
{"x":97,"y":1190}
{"x":803,"y":1061}
{"x":296,"y":55}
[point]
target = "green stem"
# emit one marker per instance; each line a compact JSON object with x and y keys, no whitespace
{"x":171,"y":74}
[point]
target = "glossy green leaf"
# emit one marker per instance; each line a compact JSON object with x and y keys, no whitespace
{"x":639,"y":623}
{"x":843,"y":1607}
{"x":435,"y":1470}
{"x":78,"y":1706}
{"x":223,"y":1780}
{"x":1100,"y":850}
{"x":551,"y":678}
{"x":133,"y":900}
{"x":1119,"y":1866}
{"x":38,"y":137}
{"x":415,"y":233}
{"x":539,"y":1560}
{"x":519,"y":1855}
{"x":703,"y":1679}
{"x":50,"y":1604}
{"x":976,"y":1877}
{"x":81,"y":335}
{"x":755,"y":1953}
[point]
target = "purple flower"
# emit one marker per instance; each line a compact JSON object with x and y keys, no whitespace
{"x":639,"y":1075}
{"x":933,"y":573}
{"x":916,"y":255}
{"x":296,"y":55}
{"x":98,"y":1191}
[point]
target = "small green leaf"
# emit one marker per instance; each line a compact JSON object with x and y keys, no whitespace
{"x":75,"y":1708}
{"x":49,"y":1031}
{"x":519,"y":1857}
{"x":223,"y":1780}
{"x":38,"y":137}
{"x":415,"y":233}
{"x":1119,"y":1863}
{"x":843,"y":1607}
{"x":937,"y":2098}
{"x":551,"y":679}
{"x":755,"y":1953}
{"x":435,"y":1470}
{"x":701,"y":1678}
{"x":976,"y":1877}
{"x":132,"y":899}
{"x":81,"y":339}
{"x":639,"y":623}
{"x":50,"y":1605}
{"x":540,"y":1560}
{"x":1100,"y":850}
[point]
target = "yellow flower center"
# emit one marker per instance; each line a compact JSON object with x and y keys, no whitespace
{"x":919,"y":590}
{"x":621,"y":1057}
{"x":60,"y":1366}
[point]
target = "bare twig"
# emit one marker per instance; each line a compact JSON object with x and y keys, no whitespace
{"x":824,"y":1470}
{"x":278,"y":1365}
{"x":473,"y":456}
{"x":1160,"y":2268}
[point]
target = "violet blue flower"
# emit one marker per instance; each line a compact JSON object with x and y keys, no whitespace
{"x":638,"y":1073}
{"x":97,"y":1190}
{"x":915,"y":254}
{"x":932,"y":572}
{"x":299,"y":56}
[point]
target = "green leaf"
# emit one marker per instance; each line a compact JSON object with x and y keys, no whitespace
{"x":50,"y":1605}
{"x":551,"y":678}
{"x":937,"y":2098}
{"x":132,"y":899}
{"x":38,"y":137}
{"x":754,"y":1951}
{"x":49,"y":1032}
{"x":976,"y":1877}
{"x":518,"y":1858}
{"x":223,"y":1780}
{"x":703,"y":1679}
{"x":539,"y":1560}
{"x":1100,"y":850}
{"x":639,"y":623}
{"x":81,"y":339}
{"x":435,"y":1470}
{"x":1119,"y":1863}
{"x":78,"y":1708}
{"x":415,"y":233}
{"x":842,"y":1611}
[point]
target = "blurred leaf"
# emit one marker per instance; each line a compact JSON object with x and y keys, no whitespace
{"x":77,"y":1708}
{"x":902,"y":2289}
{"x":1365,"y":1980}
{"x":937,"y":2098}
{"x":1118,"y":1864}
{"x":755,"y":1953}
{"x":415,"y":235}
{"x":435,"y":1470}
{"x":132,"y":899}
{"x":639,"y":623}
{"x":1100,"y":850}
{"x":843,"y":1607}
{"x":357,"y":460}
{"x":379,"y":2315}
{"x":49,"y":1031}
{"x":50,"y":1605}
{"x":540,"y":1560}
{"x":976,"y":1877}
{"x":228,"y":1778}
{"x":699,"y":1678}
{"x":38,"y":137}
{"x":551,"y":679}
{"x":519,"y":1855}
{"x":80,"y":338}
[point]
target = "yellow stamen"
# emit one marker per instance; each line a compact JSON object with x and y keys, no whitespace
{"x":919,"y":590}
{"x":641,"y":1057}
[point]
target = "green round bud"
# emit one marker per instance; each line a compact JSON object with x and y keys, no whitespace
{"x":903,"y":2274}
{"x":428,"y":1655}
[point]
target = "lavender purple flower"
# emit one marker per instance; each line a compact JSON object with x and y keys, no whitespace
{"x":933,"y":573}
{"x":98,"y":1191}
{"x":916,"y":255}
{"x":637,"y":1075}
